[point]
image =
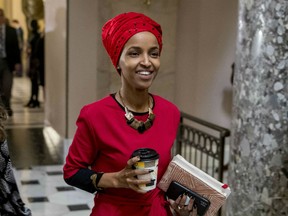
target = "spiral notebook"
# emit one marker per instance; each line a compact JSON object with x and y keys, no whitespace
{"x":185,"y":173}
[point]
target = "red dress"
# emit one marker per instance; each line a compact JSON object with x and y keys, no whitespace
{"x":104,"y":142}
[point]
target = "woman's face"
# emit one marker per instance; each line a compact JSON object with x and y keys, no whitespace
{"x":140,"y":61}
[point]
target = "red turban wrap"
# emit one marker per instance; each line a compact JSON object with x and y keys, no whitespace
{"x":118,"y":30}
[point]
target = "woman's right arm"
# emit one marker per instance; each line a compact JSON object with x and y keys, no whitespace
{"x":122,"y":179}
{"x":81,"y":154}
{"x":82,"y":179}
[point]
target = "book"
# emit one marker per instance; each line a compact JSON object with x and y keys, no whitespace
{"x":190,"y":176}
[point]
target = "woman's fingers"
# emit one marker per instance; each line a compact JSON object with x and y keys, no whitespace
{"x":190,"y":204}
{"x":176,"y":205}
{"x":135,"y":185}
{"x":127,"y":177}
{"x":192,"y":207}
{"x":184,"y":206}
{"x":181,"y":201}
{"x":132,"y":161}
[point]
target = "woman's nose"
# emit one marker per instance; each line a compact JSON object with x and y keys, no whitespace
{"x":145,"y":61}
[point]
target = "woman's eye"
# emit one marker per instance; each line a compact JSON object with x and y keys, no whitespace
{"x":155,"y":54}
{"x":133,"y":54}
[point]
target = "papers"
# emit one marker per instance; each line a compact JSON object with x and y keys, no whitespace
{"x":195,"y":179}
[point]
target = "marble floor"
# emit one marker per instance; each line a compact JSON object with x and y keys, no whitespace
{"x":37,"y":158}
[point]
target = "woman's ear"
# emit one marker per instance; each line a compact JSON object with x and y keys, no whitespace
{"x":118,"y":70}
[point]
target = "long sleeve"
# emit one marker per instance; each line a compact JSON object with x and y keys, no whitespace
{"x":81,"y":179}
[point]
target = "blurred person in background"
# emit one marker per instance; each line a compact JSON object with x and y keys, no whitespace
{"x":34,"y":64}
{"x":9,"y":60}
{"x":20,"y":34}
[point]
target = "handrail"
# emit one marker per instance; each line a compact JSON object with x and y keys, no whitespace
{"x":187,"y":143}
{"x":223,"y":131}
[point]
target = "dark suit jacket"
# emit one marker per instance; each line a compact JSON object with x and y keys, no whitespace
{"x":12,"y":47}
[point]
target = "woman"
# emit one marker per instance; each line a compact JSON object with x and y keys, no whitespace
{"x":34,"y":65}
{"x":110,"y":129}
{"x":10,"y":201}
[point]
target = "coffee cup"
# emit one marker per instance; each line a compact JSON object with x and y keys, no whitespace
{"x":149,"y":159}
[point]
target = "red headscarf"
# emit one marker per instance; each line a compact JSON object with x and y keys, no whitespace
{"x":118,"y":30}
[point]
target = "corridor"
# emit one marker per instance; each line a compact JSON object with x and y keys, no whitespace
{"x":37,"y":157}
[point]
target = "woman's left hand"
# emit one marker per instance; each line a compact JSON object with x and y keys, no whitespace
{"x":181,"y":209}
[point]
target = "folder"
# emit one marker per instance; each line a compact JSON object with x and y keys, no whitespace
{"x":188,"y":175}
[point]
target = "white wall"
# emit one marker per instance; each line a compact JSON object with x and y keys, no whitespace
{"x":206,"y":49}
{"x":217,"y":48}
{"x":55,"y":65}
{"x":82,"y":58}
{"x":187,"y":55}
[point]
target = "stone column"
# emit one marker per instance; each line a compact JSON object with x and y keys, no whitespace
{"x":258,"y":173}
